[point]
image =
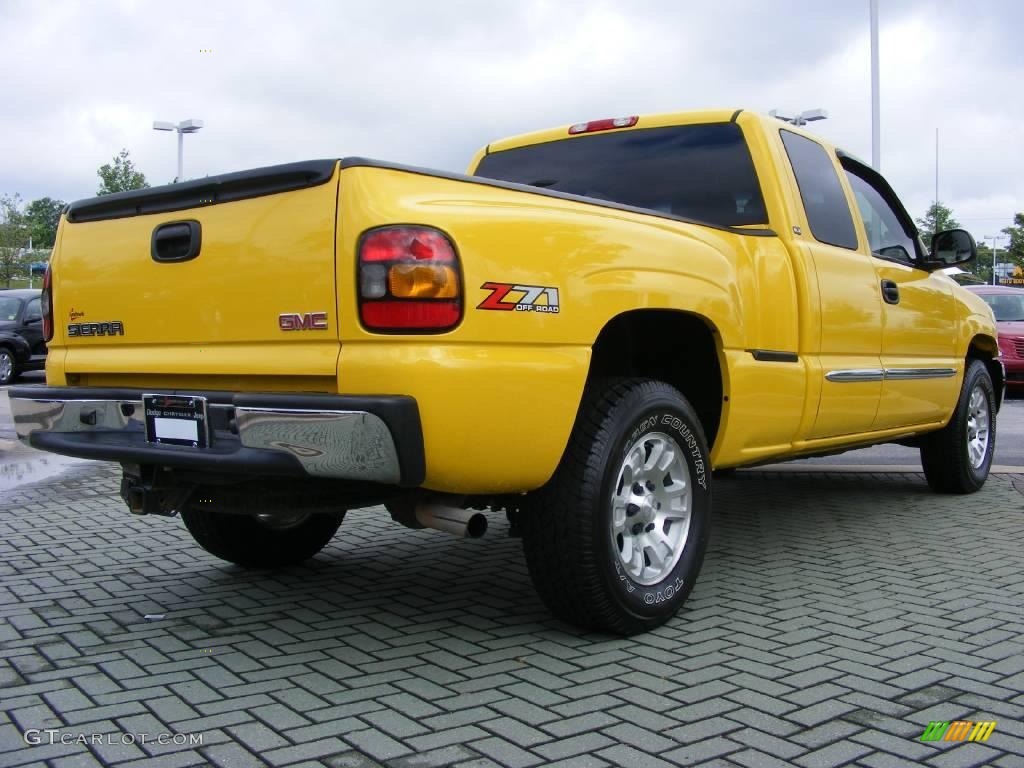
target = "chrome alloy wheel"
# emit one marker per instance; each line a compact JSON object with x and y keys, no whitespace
{"x":978,"y":420}
{"x":6,"y":365}
{"x":651,"y":504}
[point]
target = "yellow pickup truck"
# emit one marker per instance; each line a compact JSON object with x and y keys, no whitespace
{"x":576,"y":332}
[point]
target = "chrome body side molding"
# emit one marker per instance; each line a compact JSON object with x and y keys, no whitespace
{"x":852,"y":375}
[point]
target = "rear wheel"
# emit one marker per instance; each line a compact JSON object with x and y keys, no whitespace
{"x":615,"y":540}
{"x":957,"y":458}
{"x":270,"y":539}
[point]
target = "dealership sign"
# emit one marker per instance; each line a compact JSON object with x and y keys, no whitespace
{"x":1016,"y":278}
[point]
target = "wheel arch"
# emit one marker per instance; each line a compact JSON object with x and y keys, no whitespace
{"x":694,"y":345}
{"x":986,"y":349}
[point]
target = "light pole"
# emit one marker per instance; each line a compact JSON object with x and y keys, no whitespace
{"x":800,"y":118}
{"x":23,"y":252}
{"x":185,"y":126}
{"x":995,"y":252}
{"x":876,"y":132}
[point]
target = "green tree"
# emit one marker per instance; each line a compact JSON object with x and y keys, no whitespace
{"x":42,"y":217}
{"x":1015,"y":248}
{"x":13,"y":239}
{"x":120,"y":176}
{"x":981,"y":267}
{"x":937,"y":218}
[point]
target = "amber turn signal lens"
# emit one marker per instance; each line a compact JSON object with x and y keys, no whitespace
{"x":423,"y":281}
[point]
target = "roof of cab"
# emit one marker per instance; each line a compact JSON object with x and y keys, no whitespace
{"x":659,"y":120}
{"x":645,"y":121}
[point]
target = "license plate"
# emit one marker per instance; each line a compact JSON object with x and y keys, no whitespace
{"x":176,"y":420}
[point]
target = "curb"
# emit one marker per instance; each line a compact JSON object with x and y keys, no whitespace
{"x":997,"y":469}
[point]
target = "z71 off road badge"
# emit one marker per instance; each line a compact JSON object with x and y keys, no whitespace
{"x":520,"y":298}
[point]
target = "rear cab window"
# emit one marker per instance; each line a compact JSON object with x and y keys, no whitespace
{"x":825,"y":204}
{"x":702,"y":172}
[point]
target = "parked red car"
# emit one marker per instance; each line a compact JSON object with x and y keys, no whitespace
{"x":1008,"y":305}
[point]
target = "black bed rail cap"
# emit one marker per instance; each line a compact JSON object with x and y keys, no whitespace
{"x":211,"y":190}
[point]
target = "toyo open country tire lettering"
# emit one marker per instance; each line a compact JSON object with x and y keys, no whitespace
{"x":957,"y":458}
{"x":256,"y":541}
{"x":615,"y":540}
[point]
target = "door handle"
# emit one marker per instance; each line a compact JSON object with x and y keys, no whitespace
{"x":890,"y":292}
{"x":176,"y":241}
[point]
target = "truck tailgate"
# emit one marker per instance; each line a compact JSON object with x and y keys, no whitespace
{"x":258,"y":299}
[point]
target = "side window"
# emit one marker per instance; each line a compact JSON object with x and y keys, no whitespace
{"x":887,"y":234}
{"x":32,"y":311}
{"x":828,"y":213}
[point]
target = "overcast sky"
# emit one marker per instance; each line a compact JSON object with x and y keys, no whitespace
{"x":427,"y":83}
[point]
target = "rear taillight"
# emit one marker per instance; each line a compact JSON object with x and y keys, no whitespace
{"x":46,"y":305}
{"x":409,"y":280}
{"x":604,"y":125}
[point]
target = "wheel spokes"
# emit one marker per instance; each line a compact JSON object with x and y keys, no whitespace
{"x":978,"y":431}
{"x":650,"y":503}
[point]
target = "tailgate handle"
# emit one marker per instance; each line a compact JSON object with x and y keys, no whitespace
{"x":176,"y":241}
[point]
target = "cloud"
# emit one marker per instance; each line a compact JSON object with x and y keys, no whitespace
{"x":428,"y":83}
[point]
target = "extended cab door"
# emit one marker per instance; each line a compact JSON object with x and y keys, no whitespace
{"x":849,"y":304}
{"x":919,"y":333}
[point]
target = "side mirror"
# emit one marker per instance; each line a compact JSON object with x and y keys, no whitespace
{"x":33,"y":319}
{"x":954,"y":246}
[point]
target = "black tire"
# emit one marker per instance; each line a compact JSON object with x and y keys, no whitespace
{"x":571,"y":551}
{"x":948,"y":466}
{"x":246,"y":540}
{"x":8,"y":367}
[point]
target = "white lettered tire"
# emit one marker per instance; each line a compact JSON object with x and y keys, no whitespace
{"x":957,"y":458}
{"x":616,"y":539}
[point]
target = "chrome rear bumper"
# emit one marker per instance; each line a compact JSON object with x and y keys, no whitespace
{"x":376,"y":439}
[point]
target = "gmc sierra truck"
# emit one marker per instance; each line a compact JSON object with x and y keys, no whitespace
{"x":575,"y":332}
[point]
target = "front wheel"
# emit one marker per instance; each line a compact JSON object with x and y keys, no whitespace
{"x":615,"y":540}
{"x":957,"y":458}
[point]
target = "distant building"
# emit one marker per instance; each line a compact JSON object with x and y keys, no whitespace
{"x":1010,"y":274}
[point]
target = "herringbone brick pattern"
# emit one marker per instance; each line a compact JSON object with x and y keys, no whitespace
{"x":836,"y":616}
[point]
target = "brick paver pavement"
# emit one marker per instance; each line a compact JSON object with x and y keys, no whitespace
{"x":836,"y":616}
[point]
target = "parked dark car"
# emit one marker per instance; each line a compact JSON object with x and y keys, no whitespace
{"x":1008,"y":305}
{"x":22,"y":346}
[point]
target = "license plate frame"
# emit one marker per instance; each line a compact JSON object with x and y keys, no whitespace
{"x":176,"y":420}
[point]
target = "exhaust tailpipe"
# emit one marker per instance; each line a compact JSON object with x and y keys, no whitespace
{"x":465,"y":523}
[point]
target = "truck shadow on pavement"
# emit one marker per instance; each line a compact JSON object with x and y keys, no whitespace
{"x":770,"y":532}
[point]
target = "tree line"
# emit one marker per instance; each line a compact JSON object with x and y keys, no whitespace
{"x":28,"y":230}
{"x":36,"y":223}
{"x":940,"y":217}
